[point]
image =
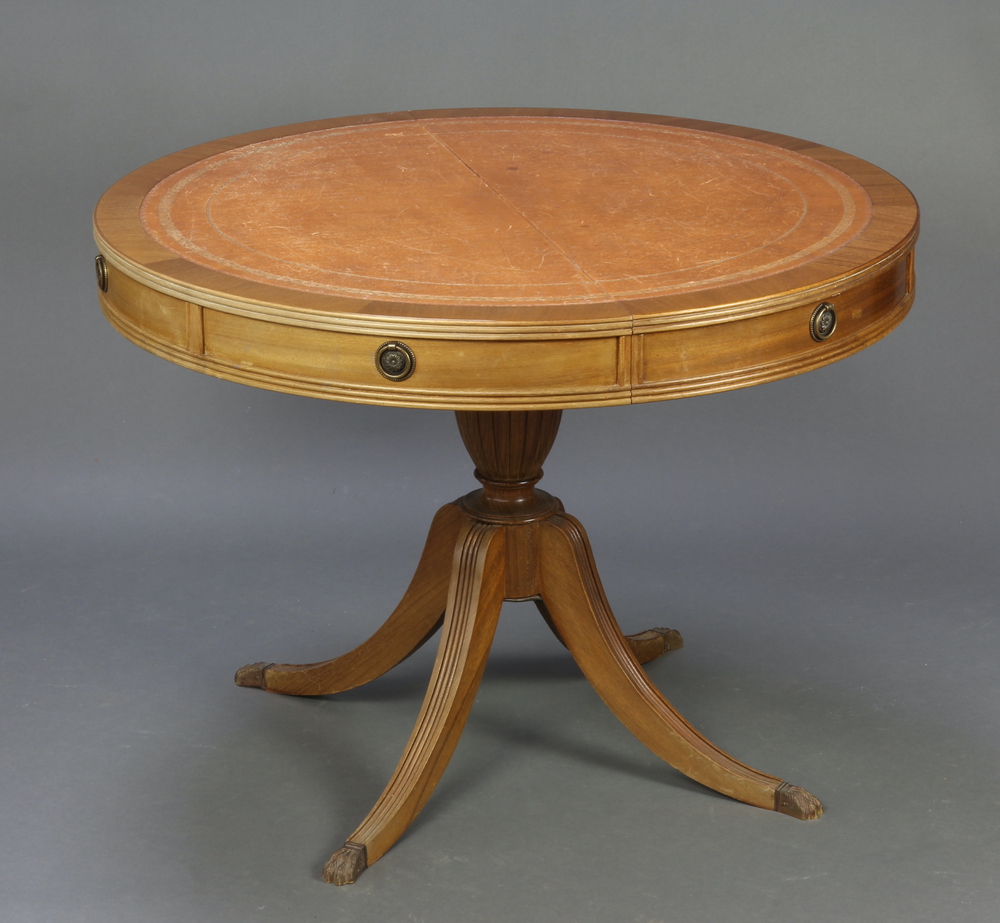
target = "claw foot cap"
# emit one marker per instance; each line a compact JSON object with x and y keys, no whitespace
{"x":796,"y":802}
{"x":672,"y":639}
{"x":344,"y":866}
{"x":252,"y":675}
{"x":653,"y":643}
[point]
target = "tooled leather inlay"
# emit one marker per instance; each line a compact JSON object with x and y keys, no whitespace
{"x":505,"y":210}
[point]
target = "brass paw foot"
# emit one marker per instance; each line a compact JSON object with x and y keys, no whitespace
{"x":650,"y":644}
{"x":796,"y":802}
{"x":344,"y":866}
{"x":252,"y":675}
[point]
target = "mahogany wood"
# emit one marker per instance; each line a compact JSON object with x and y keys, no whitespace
{"x":474,"y":600}
{"x":646,"y":645}
{"x":575,"y":600}
{"x":508,"y":540}
{"x":532,"y":259}
{"x":411,"y":624}
{"x":508,"y":449}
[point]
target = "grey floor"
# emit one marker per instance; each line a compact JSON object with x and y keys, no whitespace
{"x":144,"y":786}
{"x":828,"y":545}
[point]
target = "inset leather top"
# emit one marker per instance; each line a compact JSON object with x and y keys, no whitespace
{"x":510,"y":225}
{"x":505,"y":210}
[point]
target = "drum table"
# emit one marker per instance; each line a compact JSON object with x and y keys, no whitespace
{"x":506,"y":264}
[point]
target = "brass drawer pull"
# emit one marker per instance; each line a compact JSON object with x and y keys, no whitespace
{"x":824,"y":322}
{"x":395,"y":360}
{"x":102,"y":272}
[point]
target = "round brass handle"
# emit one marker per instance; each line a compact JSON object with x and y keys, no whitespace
{"x":395,"y":360}
{"x":824,"y":322}
{"x":102,"y":272}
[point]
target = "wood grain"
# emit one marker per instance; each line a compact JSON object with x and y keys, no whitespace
{"x":509,"y":540}
{"x":474,"y":600}
{"x":411,"y":625}
{"x":531,"y":260}
{"x":646,"y":646}
{"x":527,"y":254}
{"x":574,"y":598}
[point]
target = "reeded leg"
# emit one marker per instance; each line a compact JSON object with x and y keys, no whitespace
{"x":575,"y":600}
{"x":474,"y":600}
{"x":413,"y":622}
{"x":645,"y":645}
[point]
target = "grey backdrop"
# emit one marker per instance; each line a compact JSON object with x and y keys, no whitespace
{"x":827,"y":544}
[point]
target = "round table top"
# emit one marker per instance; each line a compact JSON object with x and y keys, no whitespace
{"x":507,"y":227}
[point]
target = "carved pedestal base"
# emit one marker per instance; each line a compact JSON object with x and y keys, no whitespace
{"x":509,"y":541}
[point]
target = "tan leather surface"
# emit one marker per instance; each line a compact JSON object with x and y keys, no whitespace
{"x":505,"y":210}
